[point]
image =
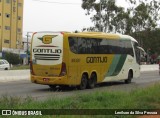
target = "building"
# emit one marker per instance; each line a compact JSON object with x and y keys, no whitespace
{"x":11,"y":25}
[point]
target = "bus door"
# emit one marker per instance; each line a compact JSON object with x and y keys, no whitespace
{"x":137,"y":60}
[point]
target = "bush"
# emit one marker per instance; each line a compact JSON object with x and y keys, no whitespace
{"x":12,"y":58}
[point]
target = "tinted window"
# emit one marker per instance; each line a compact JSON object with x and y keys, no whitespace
{"x":7,"y":27}
{"x":6,"y":41}
{"x":73,"y":43}
{"x":1,"y":62}
{"x":137,"y":52}
{"x":80,"y":45}
{"x":128,"y":48}
{"x":7,"y":15}
{"x":5,"y":61}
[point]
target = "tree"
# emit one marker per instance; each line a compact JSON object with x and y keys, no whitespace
{"x":12,"y":58}
{"x":105,"y":12}
{"x":107,"y":16}
{"x":144,"y":18}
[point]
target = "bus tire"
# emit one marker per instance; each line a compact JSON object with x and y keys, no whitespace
{"x":130,"y":76}
{"x":64,"y":87}
{"x":92,"y":81}
{"x":52,"y":86}
{"x":83,"y":83}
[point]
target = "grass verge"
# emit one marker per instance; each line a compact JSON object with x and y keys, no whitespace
{"x":148,"y":98}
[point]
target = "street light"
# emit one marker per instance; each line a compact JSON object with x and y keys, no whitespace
{"x":18,"y":44}
{"x":27,"y":44}
{"x":27,"y":41}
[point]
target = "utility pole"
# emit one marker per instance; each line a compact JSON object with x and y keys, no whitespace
{"x":27,"y":41}
{"x":28,"y":45}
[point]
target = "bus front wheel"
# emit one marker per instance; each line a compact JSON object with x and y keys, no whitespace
{"x":83,"y":83}
{"x":129,"y":79}
{"x":92,"y":81}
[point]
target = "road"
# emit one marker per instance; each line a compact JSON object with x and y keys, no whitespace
{"x":24,"y":88}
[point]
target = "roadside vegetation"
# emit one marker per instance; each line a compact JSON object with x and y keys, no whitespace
{"x":148,"y":98}
{"x":12,"y":58}
{"x":19,"y":67}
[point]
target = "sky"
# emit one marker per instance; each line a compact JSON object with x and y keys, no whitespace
{"x":55,"y":15}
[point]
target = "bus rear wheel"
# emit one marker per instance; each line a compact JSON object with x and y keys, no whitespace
{"x":83,"y":83}
{"x":92,"y":81}
{"x":129,"y":79}
{"x":52,"y":86}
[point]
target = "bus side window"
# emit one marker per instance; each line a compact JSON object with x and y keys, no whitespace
{"x":73,"y":44}
{"x":110,"y":47}
{"x":93,"y":46}
{"x":137,"y":53}
{"x":128,"y":48}
{"x":122,"y":46}
{"x":82,"y":46}
{"x":88,"y":46}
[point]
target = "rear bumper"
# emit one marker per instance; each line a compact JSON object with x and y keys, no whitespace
{"x":49,"y":80}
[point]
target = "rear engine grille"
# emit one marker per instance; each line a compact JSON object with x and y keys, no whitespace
{"x":46,"y":56}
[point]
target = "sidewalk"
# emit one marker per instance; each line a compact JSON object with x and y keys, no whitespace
{"x":154,"y":67}
{"x":14,"y":75}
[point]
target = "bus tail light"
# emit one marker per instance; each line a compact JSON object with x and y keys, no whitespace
{"x":31,"y":68}
{"x":63,"y":70}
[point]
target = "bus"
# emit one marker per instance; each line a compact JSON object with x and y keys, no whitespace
{"x":83,"y":59}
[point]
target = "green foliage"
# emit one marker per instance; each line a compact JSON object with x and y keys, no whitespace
{"x":12,"y":58}
{"x":110,"y":17}
{"x":102,"y":22}
{"x":149,"y":40}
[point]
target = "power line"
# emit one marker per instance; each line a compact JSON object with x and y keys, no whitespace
{"x":57,"y":2}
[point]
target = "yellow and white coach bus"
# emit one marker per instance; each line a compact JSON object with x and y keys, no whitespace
{"x":83,"y":59}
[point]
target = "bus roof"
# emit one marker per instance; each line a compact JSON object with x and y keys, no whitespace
{"x":102,"y":34}
{"x":97,"y":34}
{"x":128,"y":37}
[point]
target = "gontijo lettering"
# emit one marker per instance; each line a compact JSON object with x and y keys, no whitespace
{"x":37,"y":50}
{"x":96,"y":59}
